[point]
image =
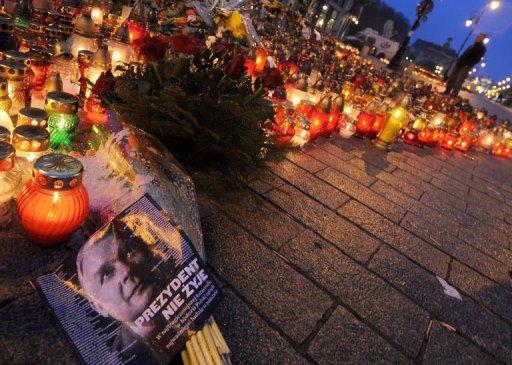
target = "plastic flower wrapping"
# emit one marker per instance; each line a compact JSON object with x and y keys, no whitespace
{"x":130,"y":163}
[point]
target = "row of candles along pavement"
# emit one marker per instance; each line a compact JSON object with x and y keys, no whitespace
{"x":302,"y":117}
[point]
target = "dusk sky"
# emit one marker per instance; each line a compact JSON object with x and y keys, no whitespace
{"x":447,"y":20}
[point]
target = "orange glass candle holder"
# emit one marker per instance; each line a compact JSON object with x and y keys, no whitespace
{"x":463,"y":144}
{"x":54,"y":203}
{"x":448,"y":141}
{"x":364,"y":122}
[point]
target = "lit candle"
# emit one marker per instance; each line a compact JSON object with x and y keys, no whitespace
{"x":62,"y":118}
{"x":54,"y":203}
{"x":10,"y":180}
{"x":32,"y":116}
{"x":397,"y":120}
{"x":15,"y":73}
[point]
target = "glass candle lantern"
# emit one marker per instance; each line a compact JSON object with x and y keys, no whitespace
{"x":463,"y":144}
{"x":30,"y":142}
{"x":348,"y":129}
{"x":67,"y":68}
{"x":397,"y":120}
{"x":119,"y":47}
{"x":32,"y":116}
{"x":10,"y":180}
{"x":84,"y":35}
{"x":100,"y":63}
{"x":7,"y":39}
{"x":448,"y":141}
{"x":97,"y":15}
{"x":15,"y":73}
{"x":5,"y":100}
{"x":418,"y":124}
{"x":410,"y":137}
{"x":319,"y":118}
{"x":54,"y":203}
{"x":62,"y":118}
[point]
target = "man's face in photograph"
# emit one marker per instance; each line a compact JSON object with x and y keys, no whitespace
{"x":115,"y":279}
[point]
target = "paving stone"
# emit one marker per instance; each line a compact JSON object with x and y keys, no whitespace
{"x":493,"y":206}
{"x":250,"y":339}
{"x":334,"y":150}
{"x":452,"y":245}
{"x":456,"y":173}
{"x":371,"y":169}
{"x":266,"y":182}
{"x":342,"y":166}
{"x":397,"y":237}
{"x":493,"y":296}
{"x":369,"y":296}
{"x":344,"y":339}
{"x":466,"y":316}
{"x":411,"y":179}
{"x":446,"y":198}
{"x":401,"y":185}
{"x":206,"y":205}
{"x":28,"y":334}
{"x":415,"y":171}
{"x":487,"y":188}
{"x":363,"y":194}
{"x":448,"y":347}
{"x":488,"y":240}
{"x":345,"y":235}
{"x":437,"y":203}
{"x":305,"y":161}
{"x":357,"y":147}
{"x":310,"y":184}
{"x":263,"y":278}
{"x":485,"y":217}
{"x":450,"y":185}
{"x":259,"y":217}
{"x":22,"y":260}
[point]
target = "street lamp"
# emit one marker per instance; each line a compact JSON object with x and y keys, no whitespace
{"x":469,"y":23}
{"x":424,"y":8}
{"x":487,"y":40}
{"x":495,"y":4}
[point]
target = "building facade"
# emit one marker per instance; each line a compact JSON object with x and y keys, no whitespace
{"x":435,"y":58}
{"x":330,"y":16}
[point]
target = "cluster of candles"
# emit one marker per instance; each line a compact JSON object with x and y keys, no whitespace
{"x":51,"y":201}
{"x":48,"y":60}
{"x":307,"y":114}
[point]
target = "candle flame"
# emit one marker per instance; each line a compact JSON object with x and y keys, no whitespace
{"x":55,"y":197}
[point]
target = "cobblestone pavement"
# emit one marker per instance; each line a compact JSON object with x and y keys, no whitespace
{"x":334,"y":256}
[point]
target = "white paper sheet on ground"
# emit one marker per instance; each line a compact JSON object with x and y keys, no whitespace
{"x":448,"y":289}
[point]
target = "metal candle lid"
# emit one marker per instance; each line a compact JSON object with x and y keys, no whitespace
{"x":32,"y":116}
{"x":7,"y":153}
{"x":122,"y":34}
{"x":18,"y":56}
{"x":85,"y":26}
{"x":102,"y":58}
{"x":12,"y":70}
{"x":30,"y":138}
{"x":58,"y":172}
{"x":5,"y":134}
{"x":61,"y":102}
{"x":6,"y":25}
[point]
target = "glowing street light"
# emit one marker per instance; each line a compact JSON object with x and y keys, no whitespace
{"x":495,"y":4}
{"x":487,"y":40}
{"x":469,"y":23}
{"x":483,"y":64}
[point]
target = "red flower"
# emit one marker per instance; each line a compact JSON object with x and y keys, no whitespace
{"x":236,"y":67}
{"x":219,"y":48}
{"x":152,"y":48}
{"x":250,"y":66}
{"x":105,"y":83}
{"x":271,"y":78}
{"x":184,"y":43}
{"x":136,"y":30}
